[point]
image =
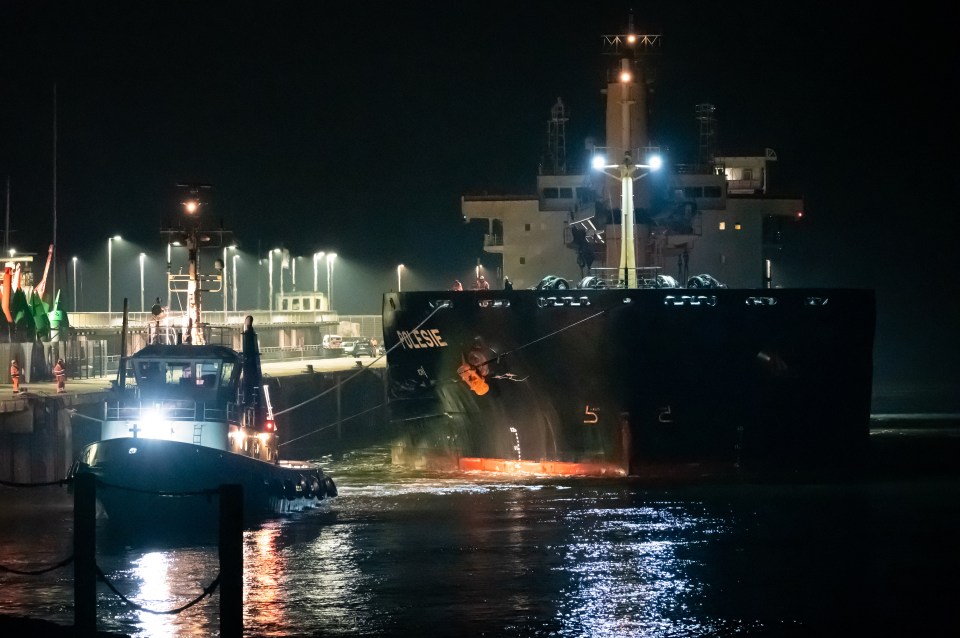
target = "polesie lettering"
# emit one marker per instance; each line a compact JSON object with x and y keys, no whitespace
{"x":421,"y":339}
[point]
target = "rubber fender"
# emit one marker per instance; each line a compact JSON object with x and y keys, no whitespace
{"x":289,"y":490}
{"x":329,"y":486}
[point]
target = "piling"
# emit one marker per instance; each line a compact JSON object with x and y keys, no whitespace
{"x":231,"y":561}
{"x":84,"y":554}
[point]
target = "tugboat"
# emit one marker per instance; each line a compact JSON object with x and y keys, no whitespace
{"x":196,"y":417}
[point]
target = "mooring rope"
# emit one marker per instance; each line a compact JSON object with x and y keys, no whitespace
{"x":37,"y":572}
{"x":207,"y":591}
{"x":330,"y":425}
{"x":358,"y":372}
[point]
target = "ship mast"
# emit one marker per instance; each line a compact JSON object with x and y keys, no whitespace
{"x":189,"y":232}
{"x":627,"y":138}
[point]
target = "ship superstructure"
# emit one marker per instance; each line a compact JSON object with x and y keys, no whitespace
{"x":714,"y":215}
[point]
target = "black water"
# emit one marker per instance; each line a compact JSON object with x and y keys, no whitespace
{"x":408,"y":554}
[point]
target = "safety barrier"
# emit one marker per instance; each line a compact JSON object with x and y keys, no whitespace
{"x":86,"y":572}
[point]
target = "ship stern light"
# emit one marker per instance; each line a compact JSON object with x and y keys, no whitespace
{"x":655,"y":162}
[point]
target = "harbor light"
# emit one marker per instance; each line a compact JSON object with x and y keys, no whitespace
{"x":598,"y":162}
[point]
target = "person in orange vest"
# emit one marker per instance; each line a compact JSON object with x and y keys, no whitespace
{"x":15,"y":375}
{"x":60,"y":372}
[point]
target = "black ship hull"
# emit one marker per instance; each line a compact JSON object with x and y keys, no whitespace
{"x":653,"y":382}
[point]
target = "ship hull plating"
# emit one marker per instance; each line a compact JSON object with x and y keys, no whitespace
{"x":655,"y":382}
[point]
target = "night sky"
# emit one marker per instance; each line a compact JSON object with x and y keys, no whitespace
{"x":325,"y":127}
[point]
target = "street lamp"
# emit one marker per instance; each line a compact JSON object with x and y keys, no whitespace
{"x":75,"y":309}
{"x":142,"y":257}
{"x":399,"y":268}
{"x":233,"y":277}
{"x":270,"y":275}
{"x":316,"y":258}
{"x":110,"y":272}
{"x":332,"y":257}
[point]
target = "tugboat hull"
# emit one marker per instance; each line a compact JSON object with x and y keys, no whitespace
{"x":150,"y":481}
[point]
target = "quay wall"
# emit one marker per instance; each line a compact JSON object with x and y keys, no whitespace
{"x":39,"y":439}
{"x":321,"y":413}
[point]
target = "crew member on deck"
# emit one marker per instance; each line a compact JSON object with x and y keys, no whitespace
{"x":507,"y":284}
{"x":15,"y":375}
{"x":60,"y":372}
{"x":482,"y":283}
{"x":457,"y":285}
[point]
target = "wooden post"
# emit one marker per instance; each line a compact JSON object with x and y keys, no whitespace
{"x":84,"y":554}
{"x":231,"y":561}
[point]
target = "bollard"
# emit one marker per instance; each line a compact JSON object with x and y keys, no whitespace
{"x":231,"y":561}
{"x":84,"y":554}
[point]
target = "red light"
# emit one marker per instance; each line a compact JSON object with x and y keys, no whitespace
{"x":270,"y":426}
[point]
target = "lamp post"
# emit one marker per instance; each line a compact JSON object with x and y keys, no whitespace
{"x":142,"y":258}
{"x":75,"y":309}
{"x":233,"y":278}
{"x":225,"y":284}
{"x":399,"y":269}
{"x":110,"y":273}
{"x":270,"y":277}
{"x":332,"y":257}
{"x":316,"y":258}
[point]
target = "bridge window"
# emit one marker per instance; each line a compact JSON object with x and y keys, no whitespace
{"x":526,"y":227}
{"x":523,"y":260}
{"x":712,"y":191}
{"x":723,"y":225}
{"x":566,"y":193}
{"x":551,"y":193}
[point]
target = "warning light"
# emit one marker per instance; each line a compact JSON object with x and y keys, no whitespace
{"x":631,"y":39}
{"x":799,"y":214}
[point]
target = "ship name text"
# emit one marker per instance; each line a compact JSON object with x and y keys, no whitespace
{"x":421,"y":339}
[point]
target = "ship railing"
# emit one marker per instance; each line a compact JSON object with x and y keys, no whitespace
{"x":172,"y":410}
{"x":613,"y":277}
{"x":492,"y":240}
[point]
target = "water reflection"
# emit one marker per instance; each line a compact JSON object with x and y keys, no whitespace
{"x":415,"y":554}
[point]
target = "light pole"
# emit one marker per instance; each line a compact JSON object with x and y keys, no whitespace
{"x":142,"y":257}
{"x":224,"y":284}
{"x":233,"y":278}
{"x":332,"y":257}
{"x":316,"y":258}
{"x":399,"y":268}
{"x":110,"y":273}
{"x":75,"y":309}
{"x":270,"y":277}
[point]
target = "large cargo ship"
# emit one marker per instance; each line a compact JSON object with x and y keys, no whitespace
{"x":641,"y":331}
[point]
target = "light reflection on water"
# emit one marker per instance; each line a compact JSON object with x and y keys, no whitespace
{"x":404,"y":553}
